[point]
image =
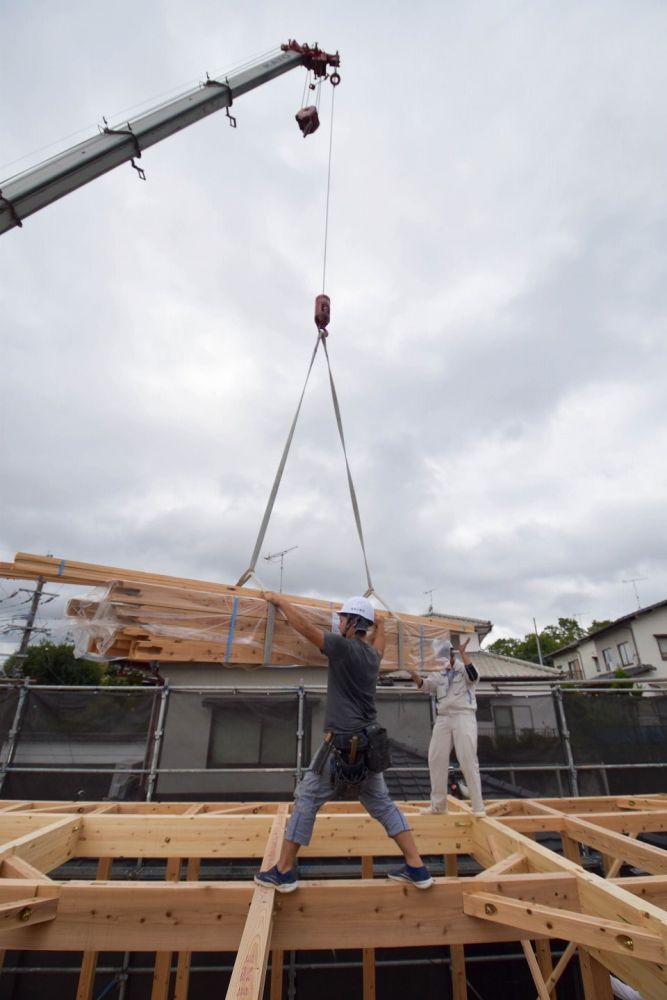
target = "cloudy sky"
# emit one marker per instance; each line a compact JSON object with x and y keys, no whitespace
{"x":497,"y":264}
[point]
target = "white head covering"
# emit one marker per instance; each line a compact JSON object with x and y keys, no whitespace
{"x":442,"y":649}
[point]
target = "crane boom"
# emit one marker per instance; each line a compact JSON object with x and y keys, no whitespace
{"x":27,"y":192}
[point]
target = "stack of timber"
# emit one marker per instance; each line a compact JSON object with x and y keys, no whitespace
{"x":144,"y":617}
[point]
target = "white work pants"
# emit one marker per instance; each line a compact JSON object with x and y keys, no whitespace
{"x":459,"y":728}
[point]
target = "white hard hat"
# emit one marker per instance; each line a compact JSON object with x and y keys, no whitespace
{"x":358,"y":606}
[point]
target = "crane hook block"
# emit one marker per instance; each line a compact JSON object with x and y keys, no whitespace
{"x":308,"y":120}
{"x":322,"y":314}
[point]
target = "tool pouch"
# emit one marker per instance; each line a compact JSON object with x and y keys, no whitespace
{"x":318,"y":762}
{"x":347,"y":778}
{"x":378,"y":757}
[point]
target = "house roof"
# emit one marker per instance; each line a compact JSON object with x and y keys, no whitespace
{"x":494,"y":667}
{"x":611,"y":626}
{"x":482,"y":625}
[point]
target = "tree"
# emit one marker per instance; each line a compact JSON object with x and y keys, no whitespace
{"x":51,"y":663}
{"x":552,"y":637}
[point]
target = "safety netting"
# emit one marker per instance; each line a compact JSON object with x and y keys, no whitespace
{"x":228,"y":744}
{"x":618,"y":740}
{"x":82,"y":743}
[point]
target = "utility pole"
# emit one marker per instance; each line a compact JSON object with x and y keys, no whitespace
{"x":29,"y":626}
{"x":634,"y":580}
{"x":539,"y":648}
{"x":281,"y":556}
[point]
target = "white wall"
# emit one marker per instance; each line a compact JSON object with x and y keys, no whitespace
{"x":639,"y":635}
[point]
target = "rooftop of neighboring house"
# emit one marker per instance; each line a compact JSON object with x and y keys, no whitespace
{"x":494,"y":668}
{"x":482,"y":625}
{"x":624,"y":619}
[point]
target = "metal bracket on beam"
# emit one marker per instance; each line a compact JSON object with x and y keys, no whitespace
{"x":218,"y":83}
{"x":137,"y":147}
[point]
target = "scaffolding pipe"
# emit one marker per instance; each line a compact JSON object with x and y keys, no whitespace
{"x":157,"y":743}
{"x":14,"y":734}
{"x":299,"y":731}
{"x":565,"y":737}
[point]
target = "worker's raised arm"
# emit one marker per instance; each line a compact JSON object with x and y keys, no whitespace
{"x":379,"y":640}
{"x":296,"y":619}
{"x":472,"y":672}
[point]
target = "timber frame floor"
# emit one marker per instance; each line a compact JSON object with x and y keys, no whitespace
{"x":525,"y":891}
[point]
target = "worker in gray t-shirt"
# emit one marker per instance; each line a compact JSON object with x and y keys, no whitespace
{"x":350,"y":714}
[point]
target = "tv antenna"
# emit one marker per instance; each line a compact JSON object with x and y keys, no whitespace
{"x":634,"y":580}
{"x":430,"y":600}
{"x":281,"y":555}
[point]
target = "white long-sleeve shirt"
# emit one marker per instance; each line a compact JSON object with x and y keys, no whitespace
{"x":453,"y":690}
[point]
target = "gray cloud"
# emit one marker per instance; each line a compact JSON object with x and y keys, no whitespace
{"x":497,"y":269}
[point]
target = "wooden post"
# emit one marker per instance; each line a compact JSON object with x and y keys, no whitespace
{"x":368,"y":953}
{"x":594,"y":976}
{"x":277,"y":963}
{"x":162,"y":970}
{"x":182,"y":983}
{"x":456,"y":951}
{"x":84,"y":990}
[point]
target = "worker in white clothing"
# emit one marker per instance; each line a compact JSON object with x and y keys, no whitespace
{"x":454,"y":690}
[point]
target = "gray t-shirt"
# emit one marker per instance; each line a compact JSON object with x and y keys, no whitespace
{"x":353,"y":673}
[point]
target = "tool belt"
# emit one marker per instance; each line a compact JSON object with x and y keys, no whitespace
{"x":351,"y":756}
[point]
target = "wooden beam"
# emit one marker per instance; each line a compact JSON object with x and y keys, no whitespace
{"x":545,"y":962}
{"x":15,"y":867}
{"x":232,"y":836}
{"x":513,"y":863}
{"x":209,"y":916}
{"x":535,"y":970}
{"x":592,"y":932}
{"x":47,"y":847}
{"x":249,"y":972}
{"x":644,"y":856}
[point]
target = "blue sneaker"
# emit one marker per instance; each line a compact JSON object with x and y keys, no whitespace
{"x":280,"y":881}
{"x":419,"y":877}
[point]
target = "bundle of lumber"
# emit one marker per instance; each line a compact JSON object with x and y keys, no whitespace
{"x":145,"y":617}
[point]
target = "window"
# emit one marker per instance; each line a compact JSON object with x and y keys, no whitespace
{"x":512,"y":720}
{"x":573,"y":668}
{"x":596,"y":661}
{"x":625,"y":653}
{"x":608,"y":655}
{"x":662,"y":645}
{"x":252,"y":732}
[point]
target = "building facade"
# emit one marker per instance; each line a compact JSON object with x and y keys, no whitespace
{"x":635,"y":644}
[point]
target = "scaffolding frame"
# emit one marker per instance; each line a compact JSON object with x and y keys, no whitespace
{"x":150,"y":774}
{"x":525,"y":891}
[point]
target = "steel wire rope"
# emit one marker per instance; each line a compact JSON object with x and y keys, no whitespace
{"x":328,"y":197}
{"x":250,"y":571}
